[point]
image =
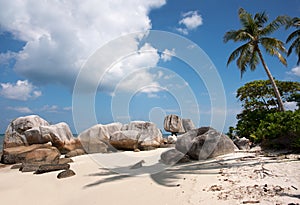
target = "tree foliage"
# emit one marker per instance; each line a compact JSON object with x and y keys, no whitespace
{"x":255,"y":33}
{"x":294,"y":37}
{"x":259,"y":94}
{"x":258,"y":102}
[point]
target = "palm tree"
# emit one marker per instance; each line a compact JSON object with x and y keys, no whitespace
{"x":255,"y":34}
{"x":295,"y":36}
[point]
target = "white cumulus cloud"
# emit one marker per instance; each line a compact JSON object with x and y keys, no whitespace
{"x":190,"y":21}
{"x":21,"y":109}
{"x":61,"y":35}
{"x":296,"y":71}
{"x":21,"y":90}
{"x":167,"y":54}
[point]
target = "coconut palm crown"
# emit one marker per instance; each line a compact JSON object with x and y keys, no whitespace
{"x":254,"y":33}
{"x":294,"y":37}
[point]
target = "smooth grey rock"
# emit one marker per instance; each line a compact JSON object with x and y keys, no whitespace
{"x":96,"y":138}
{"x":187,"y":125}
{"x":173,"y":156}
{"x":203,"y":143}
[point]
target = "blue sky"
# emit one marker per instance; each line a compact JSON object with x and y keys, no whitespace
{"x":45,"y":44}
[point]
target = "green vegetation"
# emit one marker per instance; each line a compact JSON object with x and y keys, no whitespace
{"x":255,"y":34}
{"x":294,"y":37}
{"x":260,"y":120}
{"x":263,"y":118}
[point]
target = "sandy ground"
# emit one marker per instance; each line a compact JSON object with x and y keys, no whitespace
{"x":239,"y":178}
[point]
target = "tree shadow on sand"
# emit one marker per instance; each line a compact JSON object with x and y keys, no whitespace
{"x":170,"y":175}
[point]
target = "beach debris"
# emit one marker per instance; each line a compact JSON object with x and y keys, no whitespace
{"x":263,"y":171}
{"x":294,"y":187}
{"x":251,"y":202}
{"x":215,"y":188}
{"x":137,"y":165}
{"x":66,"y":173}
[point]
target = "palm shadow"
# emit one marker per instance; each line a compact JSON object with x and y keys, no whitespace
{"x":167,"y":175}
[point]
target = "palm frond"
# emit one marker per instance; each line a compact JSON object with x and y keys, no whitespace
{"x":238,"y":35}
{"x":254,"y":61}
{"x":274,"y":25}
{"x":236,"y":53}
{"x":294,"y":22}
{"x":294,"y":45}
{"x":273,"y":47}
{"x":261,"y":18}
{"x":295,"y":34}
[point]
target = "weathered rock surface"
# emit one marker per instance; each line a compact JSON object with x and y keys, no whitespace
{"x":150,"y":135}
{"x":60,"y":136}
{"x":65,"y":174}
{"x":29,"y":167}
{"x":65,"y":161}
{"x":14,"y":135}
{"x":187,"y":125}
{"x":96,"y":138}
{"x":172,"y":139}
{"x":242,"y":143}
{"x":203,"y":143}
{"x":173,"y":123}
{"x":173,"y":156}
{"x":75,"y":153}
{"x":51,"y":167}
{"x":32,"y":129}
{"x":125,"y":140}
{"x":31,"y":154}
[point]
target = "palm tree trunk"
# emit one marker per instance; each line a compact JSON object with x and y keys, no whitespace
{"x":277,"y":94}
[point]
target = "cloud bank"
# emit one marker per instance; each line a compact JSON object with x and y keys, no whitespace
{"x":61,"y":35}
{"x":21,"y":90}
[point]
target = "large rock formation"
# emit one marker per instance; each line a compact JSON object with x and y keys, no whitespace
{"x":29,"y":130}
{"x":125,"y":140}
{"x":32,"y":154}
{"x":203,"y":143}
{"x":96,"y":138}
{"x":173,"y":156}
{"x":172,"y":123}
{"x":60,"y":136}
{"x":150,"y":136}
{"x":187,"y":125}
{"x":14,"y":135}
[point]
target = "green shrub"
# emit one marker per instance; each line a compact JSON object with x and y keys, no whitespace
{"x":280,"y":130}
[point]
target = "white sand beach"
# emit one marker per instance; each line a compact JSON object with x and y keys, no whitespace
{"x":239,"y":178}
